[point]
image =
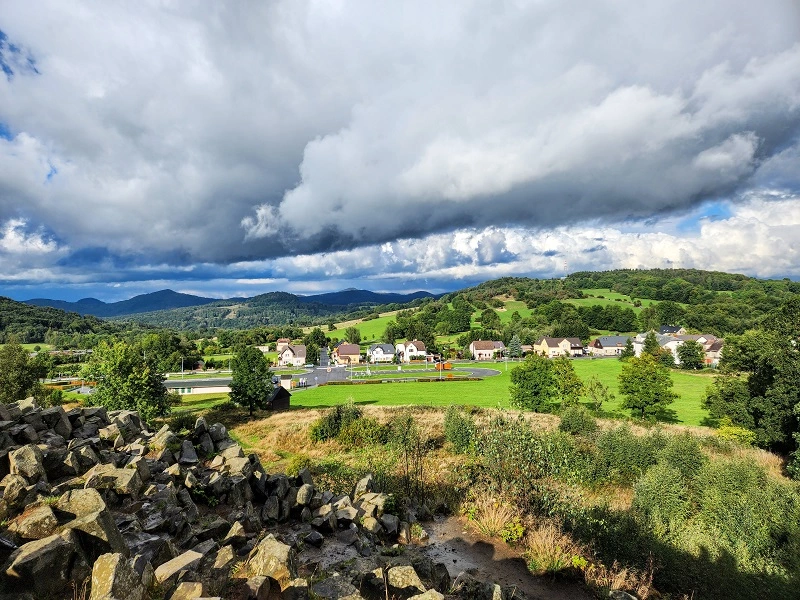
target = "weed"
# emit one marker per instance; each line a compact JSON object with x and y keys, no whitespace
{"x":459,"y":429}
{"x":328,"y":426}
{"x":577,"y":421}
{"x":182,"y":421}
{"x":297,"y":463}
{"x":512,"y":531}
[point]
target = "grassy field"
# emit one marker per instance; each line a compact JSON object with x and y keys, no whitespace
{"x":609,"y":299}
{"x":510,"y":307}
{"x":492,"y":392}
{"x":371,"y":331}
{"x":194,"y":403}
{"x":32,"y":347}
{"x":690,"y":387}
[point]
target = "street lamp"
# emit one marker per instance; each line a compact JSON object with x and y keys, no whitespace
{"x":181,"y":367}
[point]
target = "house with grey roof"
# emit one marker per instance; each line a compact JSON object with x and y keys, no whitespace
{"x":292,"y":356}
{"x":381,"y":353}
{"x":608,"y":345}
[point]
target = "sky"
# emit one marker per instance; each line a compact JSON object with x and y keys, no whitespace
{"x":234,"y":148}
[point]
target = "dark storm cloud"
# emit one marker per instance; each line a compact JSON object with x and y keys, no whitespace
{"x":144,"y":136}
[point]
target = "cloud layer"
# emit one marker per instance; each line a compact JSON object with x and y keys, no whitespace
{"x":164,"y":141}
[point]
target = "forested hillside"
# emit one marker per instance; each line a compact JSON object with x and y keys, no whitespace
{"x":29,"y":324}
{"x":273,"y":308}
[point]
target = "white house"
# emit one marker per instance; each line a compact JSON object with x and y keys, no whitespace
{"x":413,"y":350}
{"x":485,"y":349}
{"x":608,"y":345}
{"x":381,"y":353}
{"x":292,"y":356}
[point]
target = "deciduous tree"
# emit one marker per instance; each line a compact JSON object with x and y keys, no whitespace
{"x":569,"y":387}
{"x":646,"y":386}
{"x":18,"y":373}
{"x":251,"y":385}
{"x":628,"y":351}
{"x":127,"y":380}
{"x":533,"y":384}
{"x":352,"y":335}
{"x":691,"y":355}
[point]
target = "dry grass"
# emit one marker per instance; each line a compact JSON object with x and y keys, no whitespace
{"x":489,"y":515}
{"x":616,"y":497}
{"x":549,"y":550}
{"x":773,"y":464}
{"x":600,"y":577}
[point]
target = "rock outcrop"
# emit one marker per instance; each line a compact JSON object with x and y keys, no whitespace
{"x":93,"y":497}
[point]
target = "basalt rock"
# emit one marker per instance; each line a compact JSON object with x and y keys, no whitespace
{"x":89,"y":492}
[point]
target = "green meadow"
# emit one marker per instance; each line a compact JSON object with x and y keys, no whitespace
{"x":491,"y":392}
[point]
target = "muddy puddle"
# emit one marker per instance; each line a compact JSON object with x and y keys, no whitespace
{"x":461,"y":550}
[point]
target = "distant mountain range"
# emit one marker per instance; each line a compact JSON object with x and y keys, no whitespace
{"x":162,"y":300}
{"x":170,"y":300}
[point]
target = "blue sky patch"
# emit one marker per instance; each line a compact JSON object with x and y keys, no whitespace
{"x":13,"y":60}
{"x":711,"y":211}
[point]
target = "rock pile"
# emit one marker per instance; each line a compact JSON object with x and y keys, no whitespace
{"x":93,"y":495}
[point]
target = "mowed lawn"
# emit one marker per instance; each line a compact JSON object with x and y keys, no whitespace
{"x":691,"y":388}
{"x":492,"y":392}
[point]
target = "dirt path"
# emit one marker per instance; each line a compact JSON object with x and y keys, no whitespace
{"x":460,"y":550}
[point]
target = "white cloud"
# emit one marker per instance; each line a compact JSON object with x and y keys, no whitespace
{"x":198,"y":136}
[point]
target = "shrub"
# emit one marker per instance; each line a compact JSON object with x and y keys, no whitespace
{"x":335,"y":476}
{"x":683,"y":453}
{"x":364,"y":431}
{"x":181,"y":421}
{"x":459,"y":429}
{"x":751,"y":516}
{"x":662,"y":497}
{"x":512,"y":531}
{"x":516,"y":458}
{"x":328,"y":426}
{"x":577,"y":421}
{"x":622,"y":456}
{"x":297,"y":463}
{"x":729,"y":432}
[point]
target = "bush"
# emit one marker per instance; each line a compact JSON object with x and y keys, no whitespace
{"x":622,"y":456}
{"x":181,"y":421}
{"x":662,"y":497}
{"x":684,"y":454}
{"x":328,"y":426}
{"x":751,"y":516}
{"x":459,"y":429}
{"x":516,"y":458}
{"x":731,"y":433}
{"x":512,"y":531}
{"x":297,"y":463}
{"x":577,"y":421}
{"x":363,"y":431}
